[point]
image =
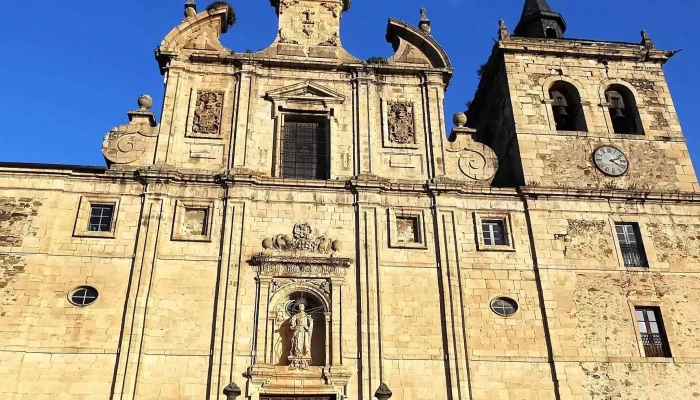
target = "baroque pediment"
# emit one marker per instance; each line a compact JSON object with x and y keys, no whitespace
{"x":303,"y":253}
{"x":301,"y":240}
{"x":306,"y":92}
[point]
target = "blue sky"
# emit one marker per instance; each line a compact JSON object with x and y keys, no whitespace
{"x":72,"y":69}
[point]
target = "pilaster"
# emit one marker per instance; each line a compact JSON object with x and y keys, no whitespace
{"x":245,"y":90}
{"x":130,"y":347}
{"x":370,"y":372}
{"x":435,"y":132}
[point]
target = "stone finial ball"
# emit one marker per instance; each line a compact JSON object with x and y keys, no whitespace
{"x":459,"y":119}
{"x":145,"y":102}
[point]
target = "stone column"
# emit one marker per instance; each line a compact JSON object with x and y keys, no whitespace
{"x":261,"y":336}
{"x":270,"y":348}
{"x":328,"y":338}
{"x":337,"y":358}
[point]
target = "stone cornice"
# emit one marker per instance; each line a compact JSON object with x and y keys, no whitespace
{"x":584,"y":48}
{"x":619,"y":194}
{"x":440,"y":185}
{"x":237,"y":59}
{"x":301,"y":266}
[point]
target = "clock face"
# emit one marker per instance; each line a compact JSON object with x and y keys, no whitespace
{"x":611,"y":161}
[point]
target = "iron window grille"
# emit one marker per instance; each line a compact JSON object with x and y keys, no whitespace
{"x":651,"y":327}
{"x":304,"y":147}
{"x":494,"y":233}
{"x":101,"y":218}
{"x":84,"y":296}
{"x":631,"y":245}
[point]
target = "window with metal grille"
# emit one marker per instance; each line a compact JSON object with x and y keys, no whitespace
{"x":494,"y":233}
{"x":84,"y":295}
{"x":504,"y":306}
{"x":651,"y":327}
{"x":304,"y":147}
{"x":631,"y":245}
{"x":101,"y":218}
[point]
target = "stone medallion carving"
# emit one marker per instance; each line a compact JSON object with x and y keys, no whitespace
{"x":207,"y":113}
{"x":302,"y":240}
{"x":401,"y":123}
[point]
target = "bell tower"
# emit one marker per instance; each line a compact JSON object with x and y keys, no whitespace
{"x":579,"y":114}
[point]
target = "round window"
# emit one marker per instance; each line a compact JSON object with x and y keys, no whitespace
{"x":84,"y":296}
{"x":504,"y":306}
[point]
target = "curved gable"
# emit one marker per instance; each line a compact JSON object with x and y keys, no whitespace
{"x":406,"y":38}
{"x":200,"y":32}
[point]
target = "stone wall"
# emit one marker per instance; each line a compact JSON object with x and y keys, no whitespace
{"x":191,"y":276}
{"x":425,"y":323}
{"x":16,"y":215}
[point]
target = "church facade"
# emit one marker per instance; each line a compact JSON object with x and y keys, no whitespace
{"x":305,"y":225}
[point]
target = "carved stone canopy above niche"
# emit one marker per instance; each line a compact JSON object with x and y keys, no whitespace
{"x":302,"y":240}
{"x":302,"y":254}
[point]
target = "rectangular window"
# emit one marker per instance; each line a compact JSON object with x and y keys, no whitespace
{"x":651,"y":327}
{"x":304,"y":147}
{"x":408,"y":230}
{"x":101,"y":218}
{"x":494,"y":233}
{"x":631,"y":245}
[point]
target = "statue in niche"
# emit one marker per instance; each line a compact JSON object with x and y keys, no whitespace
{"x":302,"y":327}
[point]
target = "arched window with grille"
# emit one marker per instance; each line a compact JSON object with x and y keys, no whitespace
{"x":566,"y":107}
{"x":624,"y":113}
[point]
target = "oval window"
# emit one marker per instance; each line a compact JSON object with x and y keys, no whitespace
{"x":504,"y":306}
{"x":84,"y":296}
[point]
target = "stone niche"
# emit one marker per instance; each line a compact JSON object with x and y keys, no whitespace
{"x":298,"y":327}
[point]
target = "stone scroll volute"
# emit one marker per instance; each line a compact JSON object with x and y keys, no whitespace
{"x":127,"y":144}
{"x":468,"y":160}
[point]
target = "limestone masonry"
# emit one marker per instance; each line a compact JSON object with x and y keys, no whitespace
{"x":305,"y":225}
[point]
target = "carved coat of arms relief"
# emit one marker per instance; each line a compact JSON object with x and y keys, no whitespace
{"x":401,"y":123}
{"x":302,"y":240}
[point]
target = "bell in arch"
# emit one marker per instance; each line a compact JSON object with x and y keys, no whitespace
{"x":617,"y":105}
{"x":618,"y":116}
{"x":560,"y":107}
